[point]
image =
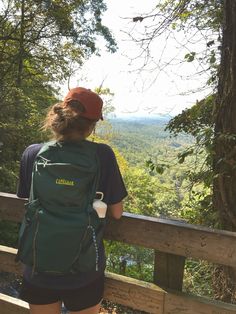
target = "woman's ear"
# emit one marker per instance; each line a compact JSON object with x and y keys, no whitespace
{"x":91,"y":129}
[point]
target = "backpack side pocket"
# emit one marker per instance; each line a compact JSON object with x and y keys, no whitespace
{"x":88,"y":257}
{"x":27,"y":232}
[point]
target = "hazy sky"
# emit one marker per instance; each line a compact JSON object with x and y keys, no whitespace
{"x":157,"y":92}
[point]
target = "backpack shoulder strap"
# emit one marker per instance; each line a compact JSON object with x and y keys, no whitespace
{"x":97,"y":178}
{"x":42,"y":149}
{"x":93,"y":147}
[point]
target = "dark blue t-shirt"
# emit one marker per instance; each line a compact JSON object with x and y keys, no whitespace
{"x":113,"y":188}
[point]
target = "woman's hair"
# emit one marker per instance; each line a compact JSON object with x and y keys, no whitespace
{"x":64,"y":121}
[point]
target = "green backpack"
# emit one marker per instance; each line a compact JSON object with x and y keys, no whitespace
{"x":61,"y":232}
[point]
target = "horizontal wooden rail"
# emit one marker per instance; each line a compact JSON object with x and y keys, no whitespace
{"x":165,"y":235}
{"x":123,"y":290}
{"x":175,"y":237}
{"x":126,"y":291}
{"x":10,"y":305}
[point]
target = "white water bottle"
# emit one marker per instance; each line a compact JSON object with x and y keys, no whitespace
{"x":100,"y":206}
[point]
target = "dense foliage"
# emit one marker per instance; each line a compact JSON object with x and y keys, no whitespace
{"x":161,"y":191}
{"x":42,"y":43}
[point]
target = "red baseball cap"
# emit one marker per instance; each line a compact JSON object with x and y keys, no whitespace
{"x":91,"y":101}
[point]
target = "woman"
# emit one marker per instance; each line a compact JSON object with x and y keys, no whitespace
{"x":72,"y":121}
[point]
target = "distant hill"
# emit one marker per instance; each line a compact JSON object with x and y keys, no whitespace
{"x":145,"y":119}
{"x":140,"y":137}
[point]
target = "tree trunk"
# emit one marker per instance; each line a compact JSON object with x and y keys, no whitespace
{"x":224,"y":164}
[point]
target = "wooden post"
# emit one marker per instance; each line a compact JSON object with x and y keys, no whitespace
{"x":169,"y":270}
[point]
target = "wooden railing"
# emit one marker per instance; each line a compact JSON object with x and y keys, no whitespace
{"x":173,"y":241}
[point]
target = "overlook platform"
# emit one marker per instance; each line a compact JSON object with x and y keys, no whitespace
{"x":173,"y":242}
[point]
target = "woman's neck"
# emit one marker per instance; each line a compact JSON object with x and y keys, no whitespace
{"x":72,"y":138}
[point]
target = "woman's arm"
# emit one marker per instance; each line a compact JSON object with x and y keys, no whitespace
{"x":115,"y":210}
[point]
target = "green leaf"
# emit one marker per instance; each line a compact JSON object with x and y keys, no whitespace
{"x":181,"y":156}
{"x":189,"y":57}
{"x":210,"y":43}
{"x":160,"y":169}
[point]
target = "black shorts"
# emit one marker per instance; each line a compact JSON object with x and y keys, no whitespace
{"x":74,"y":299}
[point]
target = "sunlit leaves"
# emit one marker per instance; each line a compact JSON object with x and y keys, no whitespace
{"x":189,"y":57}
{"x":181,"y":156}
{"x":198,"y":121}
{"x":193,"y":120}
{"x":156,"y":167}
{"x":41,"y":45}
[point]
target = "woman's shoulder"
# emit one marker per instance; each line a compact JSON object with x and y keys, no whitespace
{"x":105,"y":150}
{"x":32,"y":150}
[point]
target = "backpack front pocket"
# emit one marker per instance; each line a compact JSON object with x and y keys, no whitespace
{"x":58,"y":240}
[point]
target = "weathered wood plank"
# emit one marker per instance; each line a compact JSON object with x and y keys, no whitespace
{"x":169,"y":236}
{"x":168,"y":270}
{"x":7,"y":260}
{"x":175,"y":237}
{"x":11,"y":207}
{"x":139,"y":295}
{"x":10,"y":305}
{"x":134,"y":293}
{"x":129,"y":293}
{"x":176,"y":303}
{"x":119,"y":289}
{"x":123,"y":290}
{"x":126,"y":291}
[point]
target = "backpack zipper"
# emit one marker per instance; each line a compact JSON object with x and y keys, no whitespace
{"x":94,"y":242}
{"x":34,"y":245}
